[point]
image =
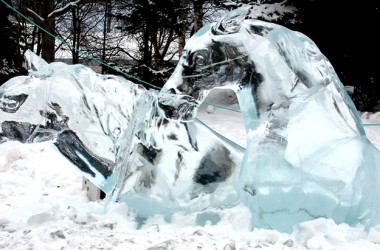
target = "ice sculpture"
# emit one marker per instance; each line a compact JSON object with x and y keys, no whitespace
{"x":307,"y":153}
{"x":111,"y":130}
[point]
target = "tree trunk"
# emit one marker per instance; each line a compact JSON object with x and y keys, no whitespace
{"x":35,"y":34}
{"x":182,"y":25}
{"x":146,"y":54}
{"x":198,"y":14}
{"x":48,"y":42}
{"x":39,"y":46}
{"x":108,"y":16}
{"x":105,"y":31}
{"x":76,"y":32}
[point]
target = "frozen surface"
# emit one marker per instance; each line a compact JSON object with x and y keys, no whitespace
{"x":307,"y":154}
{"x":42,"y":206}
{"x":112,"y":132}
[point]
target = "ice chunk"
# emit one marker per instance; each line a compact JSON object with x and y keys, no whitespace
{"x":112,"y":132}
{"x":307,"y":153}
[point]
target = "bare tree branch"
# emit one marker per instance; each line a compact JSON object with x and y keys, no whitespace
{"x":37,"y":18}
{"x":72,"y":5}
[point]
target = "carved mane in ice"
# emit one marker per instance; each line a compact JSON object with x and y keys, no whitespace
{"x":307,"y":153}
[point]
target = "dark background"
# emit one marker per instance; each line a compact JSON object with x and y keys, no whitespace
{"x":347,"y":34}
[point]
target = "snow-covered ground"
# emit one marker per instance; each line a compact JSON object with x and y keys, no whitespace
{"x":43,"y":206}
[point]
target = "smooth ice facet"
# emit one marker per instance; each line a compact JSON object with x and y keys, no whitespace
{"x":307,"y":153}
{"x":113,"y":133}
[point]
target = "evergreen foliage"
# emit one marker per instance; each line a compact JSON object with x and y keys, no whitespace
{"x":10,"y":55}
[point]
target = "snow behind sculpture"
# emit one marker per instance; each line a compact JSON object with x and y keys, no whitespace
{"x":307,"y":155}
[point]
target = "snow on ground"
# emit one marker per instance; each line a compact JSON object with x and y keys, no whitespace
{"x":43,"y":206}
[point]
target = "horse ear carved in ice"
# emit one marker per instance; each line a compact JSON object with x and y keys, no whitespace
{"x":307,"y":153}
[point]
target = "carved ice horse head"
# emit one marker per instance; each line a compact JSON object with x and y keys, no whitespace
{"x":305,"y":141}
{"x":273,"y":66}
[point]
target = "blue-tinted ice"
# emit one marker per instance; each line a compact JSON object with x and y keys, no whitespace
{"x":112,"y":131}
{"x":307,"y":154}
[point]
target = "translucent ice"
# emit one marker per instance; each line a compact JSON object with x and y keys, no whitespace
{"x":307,"y":153}
{"x":111,"y":130}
